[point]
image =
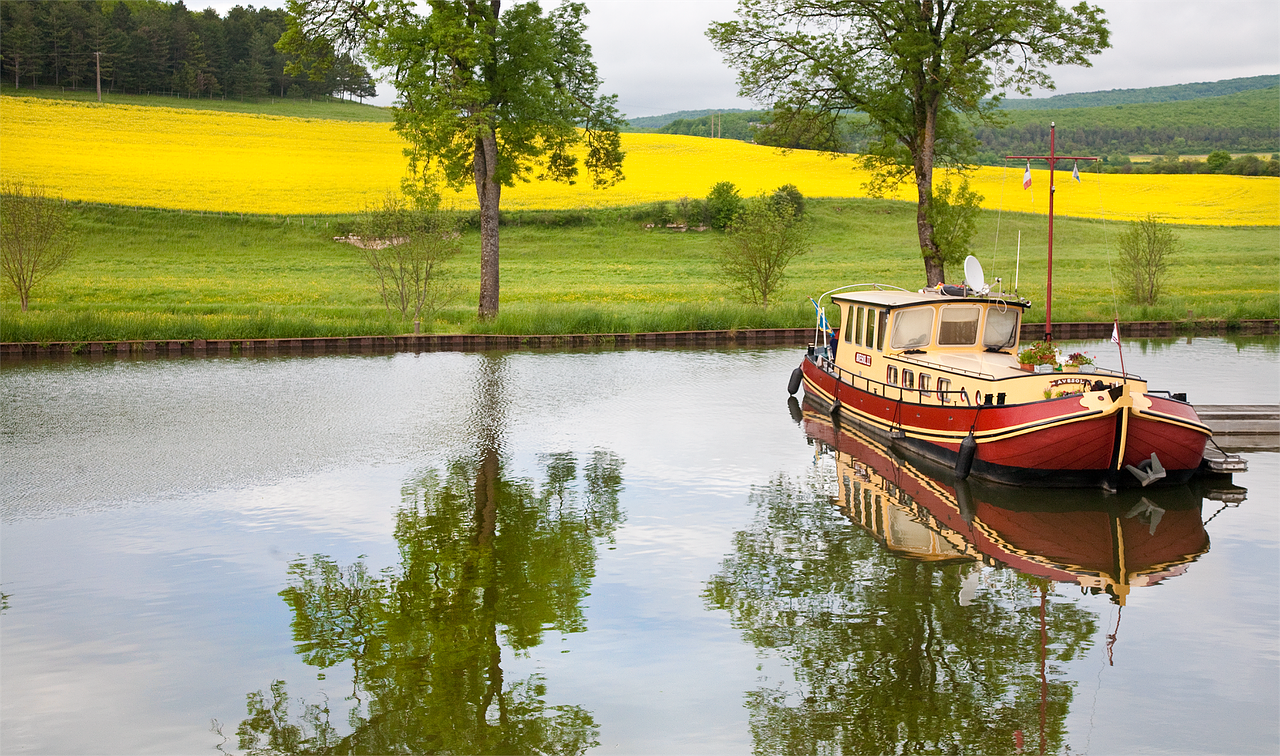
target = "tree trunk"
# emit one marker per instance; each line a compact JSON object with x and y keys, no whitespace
{"x":489,"y":192}
{"x":933,"y":269}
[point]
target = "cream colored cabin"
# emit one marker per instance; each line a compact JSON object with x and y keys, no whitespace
{"x":925,"y":347}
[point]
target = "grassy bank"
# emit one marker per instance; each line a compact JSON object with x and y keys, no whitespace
{"x":164,"y":275}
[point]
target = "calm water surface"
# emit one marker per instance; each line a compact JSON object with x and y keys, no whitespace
{"x":621,"y":552}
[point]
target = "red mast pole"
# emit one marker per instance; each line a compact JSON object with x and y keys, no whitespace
{"x":1053,"y":158}
{"x":1048,"y":287}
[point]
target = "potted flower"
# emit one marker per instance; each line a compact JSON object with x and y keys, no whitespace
{"x":1039,"y":353}
{"x":1079,"y":362}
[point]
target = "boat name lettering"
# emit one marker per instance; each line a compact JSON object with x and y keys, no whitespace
{"x":1070,"y":381}
{"x":862,"y":359}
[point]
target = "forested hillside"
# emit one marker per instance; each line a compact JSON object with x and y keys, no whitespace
{"x":152,"y":47}
{"x":1244,"y":122}
{"x":1175,"y":93}
{"x":645,"y":124}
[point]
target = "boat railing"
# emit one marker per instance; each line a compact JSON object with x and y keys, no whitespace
{"x":948,"y":397}
{"x":949,"y":368}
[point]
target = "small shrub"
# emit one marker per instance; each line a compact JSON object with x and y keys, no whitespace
{"x":763,"y":239}
{"x":789,"y":194}
{"x":723,"y":204}
{"x":1145,"y":252}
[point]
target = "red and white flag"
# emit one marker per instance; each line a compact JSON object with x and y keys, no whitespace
{"x":1115,"y":334}
{"x":1026,"y":177}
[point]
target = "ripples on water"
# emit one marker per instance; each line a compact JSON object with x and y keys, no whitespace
{"x":153,"y":512}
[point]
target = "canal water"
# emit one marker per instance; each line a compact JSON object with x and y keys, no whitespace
{"x":613,"y":552}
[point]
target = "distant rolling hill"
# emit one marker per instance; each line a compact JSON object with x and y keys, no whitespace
{"x":1237,"y":115}
{"x":1175,"y":93}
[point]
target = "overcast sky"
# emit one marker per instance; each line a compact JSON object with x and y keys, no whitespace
{"x":654,"y":54}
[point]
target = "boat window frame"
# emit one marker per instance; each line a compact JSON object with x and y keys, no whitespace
{"x":908,"y":379}
{"x":1017,"y":326}
{"x":848,"y":321}
{"x":884,"y":326}
{"x":904,"y":316}
{"x":942,"y":321}
{"x":891,"y":375}
{"x":923,"y":383}
{"x":858,"y":332}
{"x":944,"y":390}
{"x":871,"y":328}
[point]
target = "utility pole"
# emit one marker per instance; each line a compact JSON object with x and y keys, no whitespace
{"x":97,"y":56}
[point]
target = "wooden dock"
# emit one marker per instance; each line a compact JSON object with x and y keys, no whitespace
{"x":1243,"y":427}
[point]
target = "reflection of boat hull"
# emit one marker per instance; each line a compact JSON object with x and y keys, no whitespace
{"x":1081,"y":439}
{"x":1105,"y":543}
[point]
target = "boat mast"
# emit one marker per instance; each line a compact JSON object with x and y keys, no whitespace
{"x":1053,"y":159}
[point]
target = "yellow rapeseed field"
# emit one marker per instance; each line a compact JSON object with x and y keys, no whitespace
{"x":234,"y":162}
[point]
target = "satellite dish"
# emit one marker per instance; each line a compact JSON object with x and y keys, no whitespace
{"x":973,"y":277}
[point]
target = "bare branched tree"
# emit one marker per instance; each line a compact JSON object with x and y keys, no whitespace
{"x":35,"y":238}
{"x":1145,"y":252}
{"x":405,"y":250}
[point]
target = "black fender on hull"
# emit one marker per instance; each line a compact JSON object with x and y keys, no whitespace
{"x":797,"y":377}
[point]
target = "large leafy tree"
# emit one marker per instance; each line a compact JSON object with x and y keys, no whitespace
{"x":916,"y":68}
{"x":486,"y":96}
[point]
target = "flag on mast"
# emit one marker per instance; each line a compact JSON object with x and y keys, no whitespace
{"x":1115,"y":333}
{"x":1075,"y":171}
{"x":1026,"y":177}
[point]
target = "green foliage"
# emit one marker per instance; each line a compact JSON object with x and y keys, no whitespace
{"x":405,"y":250}
{"x":488,"y":563}
{"x":487,"y":97}
{"x":954,"y":216}
{"x":35,"y":238}
{"x":1174,"y":93}
{"x":1147,"y":249}
{"x":648,"y":124}
{"x":788,"y":197}
{"x":818,"y":60}
{"x":151,"y":274}
{"x":762,"y":240}
{"x":1243,"y":122}
{"x":154,"y":47}
{"x":875,"y":645}
{"x":1039,"y":353}
{"x":723,"y":204}
{"x":742,"y":125}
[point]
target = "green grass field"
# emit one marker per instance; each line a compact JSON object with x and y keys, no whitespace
{"x":148,"y":274}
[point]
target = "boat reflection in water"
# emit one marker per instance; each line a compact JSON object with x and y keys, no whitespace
{"x":1104,"y":542}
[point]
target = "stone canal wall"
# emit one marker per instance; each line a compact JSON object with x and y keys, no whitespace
{"x":489,"y":342}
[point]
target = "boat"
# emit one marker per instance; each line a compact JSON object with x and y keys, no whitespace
{"x":936,"y":371}
{"x":1104,"y":543}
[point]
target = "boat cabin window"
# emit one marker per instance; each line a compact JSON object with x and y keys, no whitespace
{"x":912,"y":329}
{"x":848,"y":325}
{"x":871,"y":328}
{"x":891,"y":375}
{"x":959,"y":325}
{"x":944,"y":387}
{"x":857,"y":334}
{"x":925,"y":380}
{"x":884,"y":326}
{"x":1001,"y":330}
{"x":908,"y":379}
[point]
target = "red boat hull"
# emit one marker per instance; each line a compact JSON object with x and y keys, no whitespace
{"x":1071,"y":441}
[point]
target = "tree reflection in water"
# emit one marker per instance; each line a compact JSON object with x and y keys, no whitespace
{"x":487,"y":560}
{"x":885,"y":657}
